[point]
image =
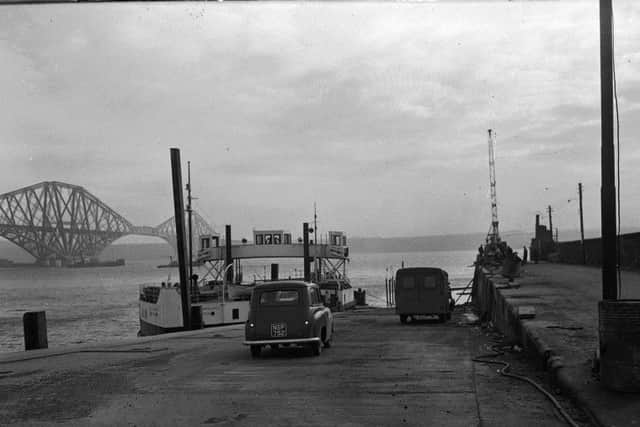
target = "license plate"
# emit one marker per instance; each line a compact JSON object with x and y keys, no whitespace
{"x":278,"y":330}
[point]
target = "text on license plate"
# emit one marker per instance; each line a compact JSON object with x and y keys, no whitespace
{"x":278,"y":330}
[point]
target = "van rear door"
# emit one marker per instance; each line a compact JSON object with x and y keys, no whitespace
{"x":431,"y":294}
{"x":407,"y":294}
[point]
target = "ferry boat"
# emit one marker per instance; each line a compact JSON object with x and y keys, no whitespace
{"x":221,"y":294}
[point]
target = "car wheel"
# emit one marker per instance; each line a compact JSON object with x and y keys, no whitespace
{"x":255,"y":350}
{"x":316,"y":348}
{"x":403,"y":318}
{"x":325,"y":341}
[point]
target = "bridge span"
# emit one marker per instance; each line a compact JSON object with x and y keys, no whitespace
{"x":60,"y":223}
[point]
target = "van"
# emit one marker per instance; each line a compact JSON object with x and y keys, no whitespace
{"x":422,"y":291}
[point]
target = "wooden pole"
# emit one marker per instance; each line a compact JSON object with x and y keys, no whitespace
{"x":189,"y":212}
{"x":305,"y":240}
{"x":584,"y":254}
{"x":550,"y":223}
{"x":178,"y":208}
{"x":386,"y":290}
{"x":228,"y":260}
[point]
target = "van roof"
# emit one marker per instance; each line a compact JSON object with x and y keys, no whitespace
{"x":297,"y":284}
{"x":423,"y":270}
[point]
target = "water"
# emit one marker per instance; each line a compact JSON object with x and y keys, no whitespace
{"x":97,"y":304}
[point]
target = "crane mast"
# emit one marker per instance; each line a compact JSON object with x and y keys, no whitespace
{"x":493,"y":237}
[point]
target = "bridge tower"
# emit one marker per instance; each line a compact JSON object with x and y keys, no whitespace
{"x":62,"y":224}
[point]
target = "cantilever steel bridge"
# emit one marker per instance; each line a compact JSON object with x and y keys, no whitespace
{"x":64,"y":223}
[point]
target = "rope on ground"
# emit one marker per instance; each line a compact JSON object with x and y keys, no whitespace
{"x":505,"y":372}
{"x":64,"y":353}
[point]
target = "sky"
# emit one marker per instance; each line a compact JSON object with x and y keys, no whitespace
{"x":378,"y":112}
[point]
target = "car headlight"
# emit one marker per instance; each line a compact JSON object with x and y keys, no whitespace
{"x":306,"y":322}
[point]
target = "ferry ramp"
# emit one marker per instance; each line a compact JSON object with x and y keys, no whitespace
{"x":377,"y":373}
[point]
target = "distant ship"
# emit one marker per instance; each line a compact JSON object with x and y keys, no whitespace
{"x":94,"y":262}
{"x":174,"y":263}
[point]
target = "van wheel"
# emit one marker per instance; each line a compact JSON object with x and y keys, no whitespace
{"x":316,"y":348}
{"x":403,"y":318}
{"x":255,"y":350}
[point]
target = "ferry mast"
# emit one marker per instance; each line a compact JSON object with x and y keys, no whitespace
{"x":493,"y":237}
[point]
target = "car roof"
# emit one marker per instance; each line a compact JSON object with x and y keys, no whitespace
{"x":296,"y":284}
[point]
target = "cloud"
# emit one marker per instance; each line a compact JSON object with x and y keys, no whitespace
{"x":378,"y":112}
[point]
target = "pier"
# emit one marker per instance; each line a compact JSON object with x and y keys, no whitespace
{"x":552,"y":310}
{"x":378,"y":372}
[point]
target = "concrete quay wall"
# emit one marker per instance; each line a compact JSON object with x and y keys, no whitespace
{"x":492,"y":305}
{"x":497,"y":300}
{"x":571,"y":252}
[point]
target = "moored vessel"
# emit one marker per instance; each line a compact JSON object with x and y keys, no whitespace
{"x":222,"y":297}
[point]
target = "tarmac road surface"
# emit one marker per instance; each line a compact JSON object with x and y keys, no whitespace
{"x":377,"y":373}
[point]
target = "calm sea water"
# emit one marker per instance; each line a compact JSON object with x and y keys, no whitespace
{"x":96,"y":304}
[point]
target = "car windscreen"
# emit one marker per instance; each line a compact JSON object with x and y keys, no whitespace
{"x":280,"y":297}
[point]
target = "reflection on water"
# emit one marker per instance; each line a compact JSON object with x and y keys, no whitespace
{"x":98,"y":304}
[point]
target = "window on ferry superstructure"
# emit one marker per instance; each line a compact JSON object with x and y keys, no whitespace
{"x":259,"y":239}
{"x":276,"y":239}
{"x":268,"y":239}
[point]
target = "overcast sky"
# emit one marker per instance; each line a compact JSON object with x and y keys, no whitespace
{"x":377,"y":111}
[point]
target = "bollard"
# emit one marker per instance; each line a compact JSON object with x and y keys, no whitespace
{"x":360,"y":297}
{"x":35,"y":330}
{"x":196,"y":317}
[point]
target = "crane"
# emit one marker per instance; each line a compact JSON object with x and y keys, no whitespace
{"x":493,"y":236}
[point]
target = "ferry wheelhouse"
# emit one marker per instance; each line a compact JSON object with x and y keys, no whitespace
{"x":222,"y":296}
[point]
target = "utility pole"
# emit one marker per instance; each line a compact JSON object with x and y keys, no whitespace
{"x":607,"y":158}
{"x":550,"y":223}
{"x":584,"y":255}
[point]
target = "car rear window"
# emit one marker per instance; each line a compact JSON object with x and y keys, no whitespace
{"x":280,"y":297}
